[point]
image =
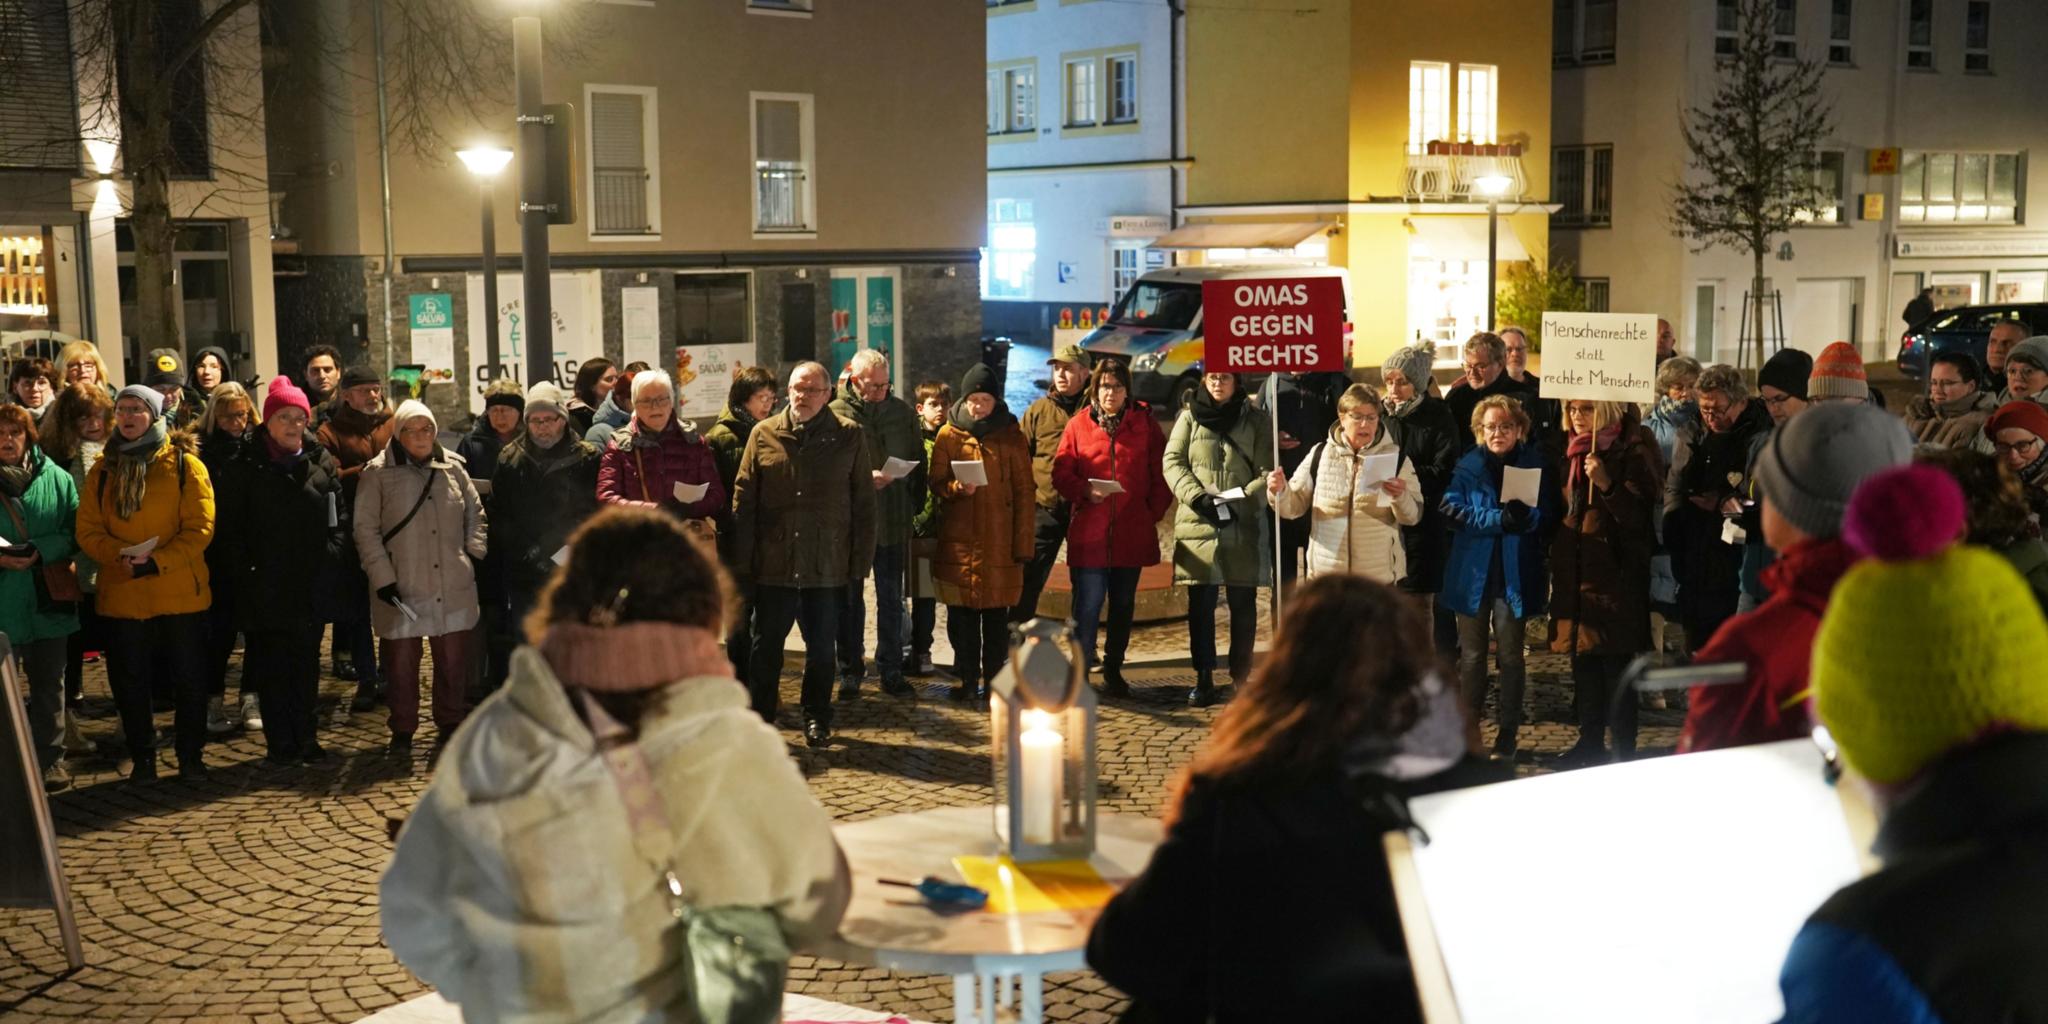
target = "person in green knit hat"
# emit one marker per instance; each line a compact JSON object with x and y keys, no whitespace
{"x":1927,"y":674}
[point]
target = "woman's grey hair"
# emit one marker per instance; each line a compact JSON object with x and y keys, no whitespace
{"x":1677,"y":372}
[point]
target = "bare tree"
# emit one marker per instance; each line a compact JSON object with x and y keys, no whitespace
{"x":139,"y":64}
{"x":1751,"y":150}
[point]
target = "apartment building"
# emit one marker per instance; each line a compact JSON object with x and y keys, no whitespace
{"x":758,"y":182}
{"x":1928,"y":170}
{"x":67,"y":254}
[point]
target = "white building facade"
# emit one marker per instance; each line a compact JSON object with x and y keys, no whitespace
{"x":1081,"y":120}
{"x":1929,"y":165}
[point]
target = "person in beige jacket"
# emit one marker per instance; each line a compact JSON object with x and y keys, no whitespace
{"x":1353,"y":529}
{"x":517,"y":889}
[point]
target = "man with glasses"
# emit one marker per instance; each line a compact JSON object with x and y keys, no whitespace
{"x":1952,"y":412}
{"x":1486,"y":364}
{"x":803,"y":531}
{"x":890,"y":427}
{"x":1546,"y":415}
{"x":1782,"y":384}
{"x":1705,"y":493}
{"x":358,"y":429}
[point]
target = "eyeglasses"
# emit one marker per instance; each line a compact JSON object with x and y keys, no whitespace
{"x":1491,"y":429}
{"x":1475,"y":369}
{"x":2022,"y":371}
{"x":2026,"y":449}
{"x":1774,"y":401}
{"x":1943,"y":383}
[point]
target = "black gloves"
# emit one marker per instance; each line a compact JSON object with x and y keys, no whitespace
{"x":1515,"y":517}
{"x":388,"y":593}
{"x":1204,"y":506}
{"x":147,"y":568}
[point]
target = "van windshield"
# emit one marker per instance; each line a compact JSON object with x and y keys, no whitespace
{"x":1160,"y":305}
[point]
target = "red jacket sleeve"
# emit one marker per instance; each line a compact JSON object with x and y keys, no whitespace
{"x":618,"y":480}
{"x":701,"y":468}
{"x":1069,"y":473}
{"x":1720,"y":716}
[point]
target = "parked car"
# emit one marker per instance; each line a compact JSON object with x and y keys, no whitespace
{"x":1157,"y":325}
{"x":1963,"y":328}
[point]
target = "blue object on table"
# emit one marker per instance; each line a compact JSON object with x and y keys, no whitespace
{"x":943,"y":894}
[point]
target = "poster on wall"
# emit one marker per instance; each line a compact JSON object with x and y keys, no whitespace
{"x":578,"y":328}
{"x":433,"y":336}
{"x":640,"y":322}
{"x":703,"y":375}
{"x":863,"y":316}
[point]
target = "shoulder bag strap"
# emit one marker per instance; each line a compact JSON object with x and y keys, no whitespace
{"x":640,"y":465}
{"x":407,"y":521}
{"x":652,"y":837}
{"x":19,"y":526}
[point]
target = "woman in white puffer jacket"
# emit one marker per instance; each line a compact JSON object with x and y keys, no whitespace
{"x":1354,"y":529}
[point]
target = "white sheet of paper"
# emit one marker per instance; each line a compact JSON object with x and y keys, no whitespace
{"x":1105,"y":486}
{"x":688,"y":493}
{"x":1518,"y":484}
{"x":1733,"y":533}
{"x":409,"y":613}
{"x":1232,"y":494}
{"x":562,"y":556}
{"x":141,"y":550}
{"x":5,"y":543}
{"x":483,"y":487}
{"x":1375,"y":470}
{"x":897,"y":469}
{"x":970,"y":472}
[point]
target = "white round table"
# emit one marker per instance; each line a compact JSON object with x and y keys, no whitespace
{"x":889,"y":926}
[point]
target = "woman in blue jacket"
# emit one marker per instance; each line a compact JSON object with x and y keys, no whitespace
{"x":1494,"y":575}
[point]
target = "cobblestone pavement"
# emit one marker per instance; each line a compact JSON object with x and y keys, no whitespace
{"x":252,"y":896}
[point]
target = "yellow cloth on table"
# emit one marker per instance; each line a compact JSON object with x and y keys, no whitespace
{"x":1015,"y":888}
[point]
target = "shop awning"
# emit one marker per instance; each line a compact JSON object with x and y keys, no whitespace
{"x":1241,"y":236}
{"x":1460,"y":238}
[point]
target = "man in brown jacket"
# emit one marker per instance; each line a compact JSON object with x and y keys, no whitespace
{"x":803,"y":530}
{"x":358,"y":429}
{"x":1043,"y":424}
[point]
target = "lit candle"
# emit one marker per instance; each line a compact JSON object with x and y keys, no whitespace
{"x":1039,"y":777}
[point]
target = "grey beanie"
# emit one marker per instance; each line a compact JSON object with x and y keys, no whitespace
{"x":1414,"y":362}
{"x":1809,"y":467}
{"x":543,"y":396}
{"x":148,"y":396}
{"x":2033,"y":352}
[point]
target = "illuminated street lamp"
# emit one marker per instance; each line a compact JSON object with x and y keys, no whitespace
{"x":485,"y":162}
{"x":1042,"y":721}
{"x":1492,"y":186}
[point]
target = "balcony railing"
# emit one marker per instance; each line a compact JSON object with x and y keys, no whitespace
{"x":780,"y":195}
{"x":1444,"y":171}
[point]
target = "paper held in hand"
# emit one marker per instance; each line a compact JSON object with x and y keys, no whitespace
{"x":141,"y":550}
{"x":1518,"y":484}
{"x":691,"y":493}
{"x":897,"y":469}
{"x":562,"y":556}
{"x":1232,"y":494}
{"x":409,"y":613}
{"x":1105,"y":487}
{"x":970,"y":473}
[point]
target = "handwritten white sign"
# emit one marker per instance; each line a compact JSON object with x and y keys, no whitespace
{"x":1600,"y":357}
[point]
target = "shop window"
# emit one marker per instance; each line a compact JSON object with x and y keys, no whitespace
{"x":1920,"y":35}
{"x":1977,"y":36}
{"x":624,"y":172}
{"x":1008,"y":263}
{"x":783,"y":187}
{"x":714,"y":309}
{"x":1942,"y":188}
{"x":39,"y":118}
{"x":1840,"y":23}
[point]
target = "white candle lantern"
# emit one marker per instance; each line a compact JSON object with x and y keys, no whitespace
{"x":1042,"y":723}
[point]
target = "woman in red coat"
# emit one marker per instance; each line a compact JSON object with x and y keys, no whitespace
{"x":1114,"y":532}
{"x":649,"y":457}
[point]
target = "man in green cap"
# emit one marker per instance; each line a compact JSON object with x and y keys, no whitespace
{"x":1043,"y":424}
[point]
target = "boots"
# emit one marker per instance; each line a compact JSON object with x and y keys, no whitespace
{"x":1204,"y":693}
{"x":1113,"y":684}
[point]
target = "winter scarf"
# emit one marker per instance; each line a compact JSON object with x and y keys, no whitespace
{"x":1584,"y":444}
{"x":128,"y":464}
{"x":1109,"y":422}
{"x":15,"y":479}
{"x":632,"y":657}
{"x":1218,"y":417}
{"x":1672,"y":410}
{"x":1435,"y":742}
{"x":998,"y":417}
{"x":277,"y":452}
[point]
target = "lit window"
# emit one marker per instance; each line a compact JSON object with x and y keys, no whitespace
{"x":1830,"y":190}
{"x":1977,"y":36}
{"x":1081,"y":93}
{"x":1012,"y":250}
{"x":1023,"y":92}
{"x":782,"y":162}
{"x":1950,"y":187}
{"x":1429,"y":115}
{"x":1478,"y":93}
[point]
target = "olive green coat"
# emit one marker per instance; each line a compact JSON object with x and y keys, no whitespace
{"x":1238,"y":552}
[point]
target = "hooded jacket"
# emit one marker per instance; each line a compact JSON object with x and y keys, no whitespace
{"x":605,"y":422}
{"x":354,"y":439}
{"x":1351,"y":532}
{"x":984,"y":537}
{"x":48,"y":508}
{"x":1118,"y":532}
{"x":517,"y":892}
{"x":432,"y":559}
{"x":1237,"y":551}
{"x":639,"y":471}
{"x":177,"y":512}
{"x":891,"y":430}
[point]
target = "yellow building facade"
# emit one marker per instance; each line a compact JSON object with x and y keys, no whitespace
{"x":1365,"y":134}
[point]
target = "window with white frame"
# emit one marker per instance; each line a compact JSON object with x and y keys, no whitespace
{"x":1582,"y":32}
{"x":1785,"y":30}
{"x":1123,"y":88}
{"x":998,"y":116}
{"x":1582,"y":184}
{"x":1727,"y":28}
{"x":1082,"y":94}
{"x":1840,"y":21}
{"x":1429,"y":103}
{"x":1920,"y":34}
{"x":1008,"y":262}
{"x":1977,"y":36}
{"x":784,"y":188}
{"x":1831,"y":190}
{"x":1943,"y":188}
{"x":1478,"y":102}
{"x":1126,"y":260}
{"x":625,"y":183}
{"x":1020,"y":84}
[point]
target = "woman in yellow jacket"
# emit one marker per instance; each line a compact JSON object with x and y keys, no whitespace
{"x":146,"y":517}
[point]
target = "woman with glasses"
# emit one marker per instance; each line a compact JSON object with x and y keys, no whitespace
{"x":1355,"y":521}
{"x":230,"y":413}
{"x":658,"y":461}
{"x":1494,"y":577}
{"x":2026,"y":371}
{"x":1109,"y":469}
{"x":2019,"y":438}
{"x":1953,"y":411}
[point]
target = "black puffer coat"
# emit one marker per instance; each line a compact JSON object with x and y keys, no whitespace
{"x":281,"y":531}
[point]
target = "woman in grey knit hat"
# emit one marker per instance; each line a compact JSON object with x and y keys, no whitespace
{"x":1424,"y":429}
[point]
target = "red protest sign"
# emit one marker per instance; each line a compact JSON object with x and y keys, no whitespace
{"x":1273,"y":325}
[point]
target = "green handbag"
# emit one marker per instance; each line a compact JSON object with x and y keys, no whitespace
{"x":737,"y":956}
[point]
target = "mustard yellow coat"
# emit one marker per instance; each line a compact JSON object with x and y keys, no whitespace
{"x":179,"y":514}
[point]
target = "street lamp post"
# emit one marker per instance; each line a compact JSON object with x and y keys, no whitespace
{"x":537,"y":314}
{"x":1492,"y":186}
{"x":485,"y":162}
